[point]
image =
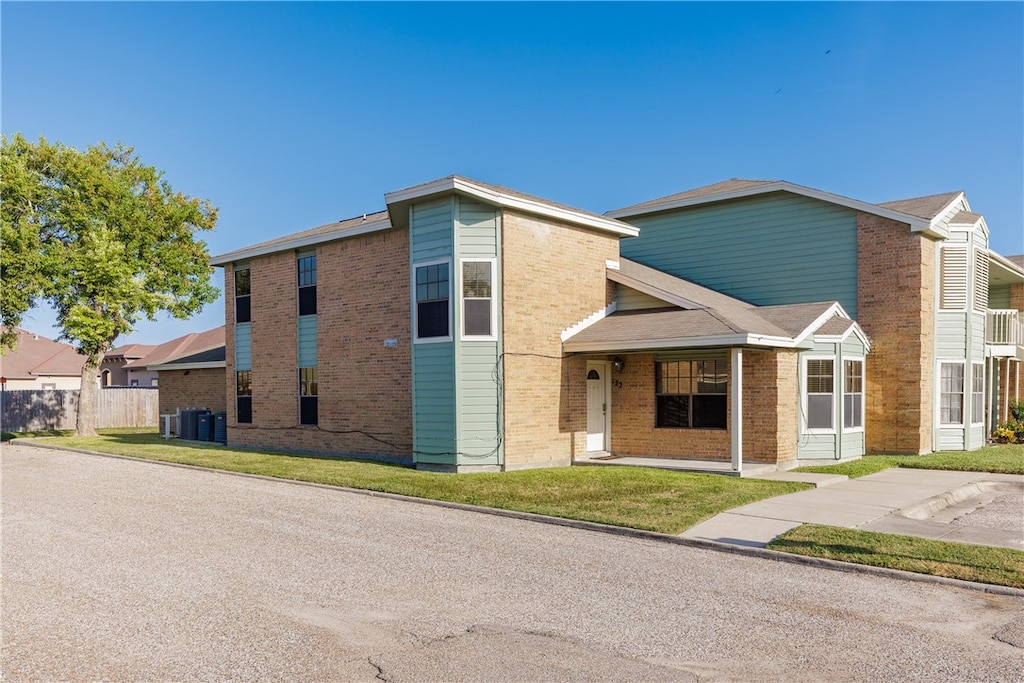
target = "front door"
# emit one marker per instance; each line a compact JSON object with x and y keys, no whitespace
{"x":597,"y":406}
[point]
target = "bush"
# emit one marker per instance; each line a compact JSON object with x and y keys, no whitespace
{"x":1017,"y":411}
{"x":1011,"y":431}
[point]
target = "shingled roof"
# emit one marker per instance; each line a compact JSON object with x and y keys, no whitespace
{"x":36,"y":355}
{"x":697,"y":316}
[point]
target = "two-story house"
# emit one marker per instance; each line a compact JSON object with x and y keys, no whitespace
{"x":471,"y":327}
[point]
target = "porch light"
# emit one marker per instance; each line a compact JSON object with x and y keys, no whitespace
{"x":618,"y":363}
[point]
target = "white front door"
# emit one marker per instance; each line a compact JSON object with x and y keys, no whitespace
{"x":597,"y":406}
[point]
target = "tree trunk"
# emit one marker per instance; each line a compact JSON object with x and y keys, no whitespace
{"x":85,"y":423}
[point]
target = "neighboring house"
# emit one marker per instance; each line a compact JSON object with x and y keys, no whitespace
{"x":471,"y":327}
{"x":942,"y":311}
{"x":190,"y":370}
{"x":118,"y":368}
{"x":40,"y":363}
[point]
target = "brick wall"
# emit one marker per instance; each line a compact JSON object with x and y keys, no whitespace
{"x":192,"y":389}
{"x":365,"y":404}
{"x":770,"y":404}
{"x":896,"y":308}
{"x":553,"y":276}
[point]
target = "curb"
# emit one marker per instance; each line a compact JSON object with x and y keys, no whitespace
{"x":640,"y":534}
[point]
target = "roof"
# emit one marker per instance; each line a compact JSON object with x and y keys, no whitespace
{"x":1019,"y":260}
{"x":130,"y":351}
{"x":498,"y":195}
{"x":349,"y":227}
{"x":36,"y":356}
{"x":184,"y":346}
{"x":698,"y":316}
{"x":928,"y":207}
{"x":738,"y":187}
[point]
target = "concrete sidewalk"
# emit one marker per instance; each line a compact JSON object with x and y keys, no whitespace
{"x":904,"y":501}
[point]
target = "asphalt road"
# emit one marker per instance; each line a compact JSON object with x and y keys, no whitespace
{"x":116,"y":569}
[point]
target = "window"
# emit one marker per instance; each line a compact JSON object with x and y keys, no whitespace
{"x":951,"y":403}
{"x":691,"y":393}
{"x":155,"y":382}
{"x":49,"y":386}
{"x":853,"y":394}
{"x":432,"y":293}
{"x":135,"y":383}
{"x":243,"y":395}
{"x":820,"y":391}
{"x":476,"y":299}
{"x":306,"y":266}
{"x":242,"y":307}
{"x":977,"y":393}
{"x":308,"y":391}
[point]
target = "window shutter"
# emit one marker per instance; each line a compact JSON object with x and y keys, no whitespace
{"x":980,"y":280}
{"x":954,"y":278}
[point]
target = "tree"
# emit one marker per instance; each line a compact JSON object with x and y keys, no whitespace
{"x":103,"y":239}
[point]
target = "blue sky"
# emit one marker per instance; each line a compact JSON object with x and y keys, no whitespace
{"x":291,"y":115}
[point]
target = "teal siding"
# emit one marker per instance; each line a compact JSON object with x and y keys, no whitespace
{"x":817,"y":447}
{"x":999,"y":296}
{"x":478,"y":425}
{"x":977,"y":337}
{"x":951,"y":335}
{"x":431,"y":231}
{"x":629,"y":299}
{"x":772,"y":249}
{"x":307,"y":341}
{"x":433,"y":384}
{"x":951,"y":439}
{"x":853,"y":444}
{"x":243,"y":346}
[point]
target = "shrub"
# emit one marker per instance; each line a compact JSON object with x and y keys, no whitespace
{"x":1011,"y":431}
{"x":1017,"y":411}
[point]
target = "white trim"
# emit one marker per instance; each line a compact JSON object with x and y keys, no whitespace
{"x":916,"y":223}
{"x":569,"y":332}
{"x":414,"y":310}
{"x":493,"y":336}
{"x":496,"y":197}
{"x":682,"y":343}
{"x":611,"y":264}
{"x":736,"y":432}
{"x":804,"y":395}
{"x":300,"y":242}
{"x":979,"y":420}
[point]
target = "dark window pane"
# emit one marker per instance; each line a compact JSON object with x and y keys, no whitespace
{"x":478,"y":317}
{"x":709,"y":411}
{"x":308,"y":383}
{"x":242,"y":282}
{"x":432,"y":319}
{"x":307,"y":300}
{"x":243,"y":383}
{"x":308,"y":410}
{"x":819,"y":411}
{"x":673,"y":411}
{"x":245,"y":409}
{"x":242,"y":311}
{"x":307,"y":271}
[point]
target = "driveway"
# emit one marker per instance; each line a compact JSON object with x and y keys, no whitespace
{"x":117,"y":569}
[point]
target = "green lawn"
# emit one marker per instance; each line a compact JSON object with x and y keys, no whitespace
{"x":998,"y":566}
{"x":1005,"y":459}
{"x":650,"y":499}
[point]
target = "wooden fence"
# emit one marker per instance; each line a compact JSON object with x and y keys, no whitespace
{"x":34,"y":409}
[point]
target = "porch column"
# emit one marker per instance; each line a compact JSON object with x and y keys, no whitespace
{"x":993,"y":420}
{"x":737,"y":409}
{"x":1006,"y":392}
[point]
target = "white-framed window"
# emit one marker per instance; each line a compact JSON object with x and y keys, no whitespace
{"x":431,"y":295}
{"x":820,"y":394}
{"x":951,"y":393}
{"x":478,"y":310}
{"x":977,"y":393}
{"x":305,"y":267}
{"x":853,"y":394}
{"x":309,"y":396}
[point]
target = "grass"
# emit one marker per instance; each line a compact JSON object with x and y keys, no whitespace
{"x":654,"y":500}
{"x":997,"y":566}
{"x":1005,"y":459}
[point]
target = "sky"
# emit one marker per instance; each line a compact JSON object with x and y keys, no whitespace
{"x":287,"y":116}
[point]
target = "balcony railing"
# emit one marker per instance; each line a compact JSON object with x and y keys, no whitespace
{"x":1004,"y":327}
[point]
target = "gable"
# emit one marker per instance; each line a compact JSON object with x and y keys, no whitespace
{"x":769,"y":249}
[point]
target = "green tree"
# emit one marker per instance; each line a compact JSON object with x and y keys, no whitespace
{"x":103,"y":239}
